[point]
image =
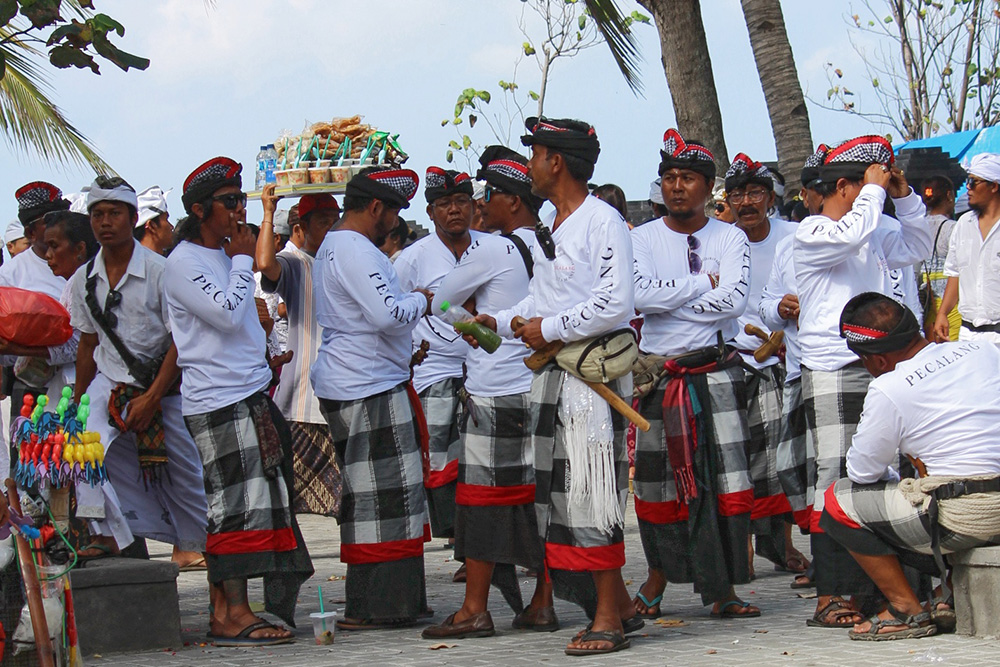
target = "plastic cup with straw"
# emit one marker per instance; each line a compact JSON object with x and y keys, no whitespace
{"x":323,"y":633}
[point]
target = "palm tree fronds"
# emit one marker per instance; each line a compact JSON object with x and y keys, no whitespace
{"x":619,"y":38}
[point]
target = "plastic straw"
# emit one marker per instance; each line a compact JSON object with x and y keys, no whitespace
{"x":284,"y":155}
{"x":298,"y":153}
{"x":320,"y":589}
{"x":326,"y":145}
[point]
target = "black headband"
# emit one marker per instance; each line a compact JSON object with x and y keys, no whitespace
{"x":866,"y":340}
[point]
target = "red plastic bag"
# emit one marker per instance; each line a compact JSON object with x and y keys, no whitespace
{"x":32,"y":318}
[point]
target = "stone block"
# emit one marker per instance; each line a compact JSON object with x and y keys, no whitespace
{"x":125,"y":604}
{"x":976,"y":579}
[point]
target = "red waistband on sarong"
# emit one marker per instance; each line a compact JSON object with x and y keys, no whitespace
{"x":438,"y":478}
{"x":250,"y":541}
{"x":381,"y":552}
{"x":836,"y":512}
{"x":770,"y":506}
{"x":802,"y":518}
{"x":584,"y":559}
{"x":735,"y":503}
{"x":670,"y":511}
{"x":486,"y":496}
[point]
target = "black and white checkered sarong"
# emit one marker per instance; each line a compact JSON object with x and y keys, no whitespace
{"x":764,"y":410}
{"x":796,"y":456}
{"x":442,"y":410}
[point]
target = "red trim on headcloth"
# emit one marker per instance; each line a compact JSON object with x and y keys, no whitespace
{"x":858,"y":141}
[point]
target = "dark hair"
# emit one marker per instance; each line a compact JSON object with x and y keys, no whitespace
{"x":613,"y":195}
{"x":578,"y":168}
{"x":75,"y":227}
{"x":826,"y":188}
{"x":940,"y":186}
{"x":659,"y":210}
{"x":402,"y":232}
{"x":799,"y":212}
{"x":189,"y":228}
{"x":880,"y":314}
{"x":356,"y":203}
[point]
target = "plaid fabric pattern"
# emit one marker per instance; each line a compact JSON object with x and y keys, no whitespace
{"x":742,"y":165}
{"x":216,"y":169}
{"x":314,"y":464}
{"x":241,"y":497}
{"x":832,"y":401}
{"x":403,"y":181}
{"x":442,"y":409}
{"x":816,"y":159}
{"x":375,"y":439}
{"x":675,"y":147}
{"x":36,"y":194}
{"x":495,"y":448}
{"x":726,"y":431}
{"x":764,"y":417}
{"x":884,"y":522}
{"x":868,"y":149}
{"x":796,"y":456}
{"x":558,"y":525}
{"x":510,"y":169}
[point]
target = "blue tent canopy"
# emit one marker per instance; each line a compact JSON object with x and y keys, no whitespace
{"x":959,"y":145}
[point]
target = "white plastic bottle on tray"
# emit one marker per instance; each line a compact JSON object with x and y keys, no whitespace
{"x":259,"y":180}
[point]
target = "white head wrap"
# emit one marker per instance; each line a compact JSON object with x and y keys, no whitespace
{"x":986,"y":166}
{"x":478,"y":189}
{"x":280,"y":223}
{"x":78,"y":200}
{"x":123,"y":193}
{"x":152,"y":203}
{"x":655,"y":193}
{"x":15,"y":231}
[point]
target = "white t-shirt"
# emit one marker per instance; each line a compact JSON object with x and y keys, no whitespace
{"x":29,"y":271}
{"x":493,"y":271}
{"x":836,"y":260}
{"x":365,"y":318}
{"x":143,"y":318}
{"x":586,"y":291}
{"x":682,"y":311}
{"x":425,"y":264}
{"x":220,"y":342}
{"x":779,"y":283}
{"x":761,"y":262}
{"x":976,"y":263}
{"x":942,"y":406}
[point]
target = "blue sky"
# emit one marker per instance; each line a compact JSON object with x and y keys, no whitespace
{"x":225,"y":81}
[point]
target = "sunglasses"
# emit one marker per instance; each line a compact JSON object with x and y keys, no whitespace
{"x":971,"y":182}
{"x":752,"y":196}
{"x":113,"y":300}
{"x":694,"y":260}
{"x":232,"y":201}
{"x":489,"y":191}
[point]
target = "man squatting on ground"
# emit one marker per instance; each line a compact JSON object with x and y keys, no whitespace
{"x":438,"y":379}
{"x":937,"y":404}
{"x":692,"y":282}
{"x":849,"y":248}
{"x":361,"y":376}
{"x":581,"y":291}
{"x":495,"y":524}
{"x":244,"y":441}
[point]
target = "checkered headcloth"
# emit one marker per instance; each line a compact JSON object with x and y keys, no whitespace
{"x":743,"y":171}
{"x":572,"y":137}
{"x":680,"y":154}
{"x":393,"y":186}
{"x":810,"y":169}
{"x":851,"y":158}
{"x":507,"y":170}
{"x":439,"y":183}
{"x":36,"y":199}
{"x":219,"y":172}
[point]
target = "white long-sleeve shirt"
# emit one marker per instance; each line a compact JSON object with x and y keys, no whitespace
{"x":214,"y":322}
{"x":836,"y":260}
{"x":761,"y":262}
{"x":779,"y":283}
{"x":29,"y":271}
{"x":493,"y":271}
{"x":942,"y":406}
{"x":975,"y":261}
{"x":365,"y":318}
{"x":425,"y":264}
{"x":586,"y":291}
{"x":682,"y":311}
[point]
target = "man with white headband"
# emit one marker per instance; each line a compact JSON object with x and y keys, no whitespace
{"x":972,"y":264}
{"x":152,"y":228}
{"x":14,"y":238}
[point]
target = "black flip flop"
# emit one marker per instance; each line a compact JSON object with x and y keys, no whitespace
{"x":244,"y":639}
{"x":617,"y":640}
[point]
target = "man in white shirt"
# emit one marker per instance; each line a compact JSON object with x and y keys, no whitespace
{"x":937,"y":404}
{"x":581,"y":290}
{"x":692,"y":282}
{"x":438,"y":378}
{"x":288,"y":274}
{"x":244,"y":441}
{"x":749,"y":190}
{"x":361,"y":376}
{"x":152,"y":227}
{"x":14,"y":240}
{"x":149,"y":453}
{"x":973,"y":263}
{"x":848,"y":249}
{"x":495,"y":524}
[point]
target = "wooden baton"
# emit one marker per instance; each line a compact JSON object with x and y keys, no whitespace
{"x":548,"y":353}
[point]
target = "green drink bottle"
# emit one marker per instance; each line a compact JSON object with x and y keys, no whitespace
{"x":462,"y":320}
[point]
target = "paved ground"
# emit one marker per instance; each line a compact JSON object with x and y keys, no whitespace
{"x":779,"y":637}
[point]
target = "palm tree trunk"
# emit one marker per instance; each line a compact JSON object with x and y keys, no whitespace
{"x":688,"y":68}
{"x":782,"y":92}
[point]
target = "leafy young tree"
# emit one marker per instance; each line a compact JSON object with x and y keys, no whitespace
{"x":935,"y":67}
{"x":31,"y":30}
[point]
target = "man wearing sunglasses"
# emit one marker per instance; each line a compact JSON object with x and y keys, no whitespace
{"x":692,"y":283}
{"x":244,"y":441}
{"x":439,"y":378}
{"x":973,"y":263}
{"x":126,"y":359}
{"x":750,"y":193}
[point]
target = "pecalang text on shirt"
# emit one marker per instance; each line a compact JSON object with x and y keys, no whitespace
{"x":218,"y":295}
{"x":741,"y":288}
{"x":937,"y":364}
{"x":601,"y":299}
{"x":844,"y":224}
{"x":382,"y":287}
